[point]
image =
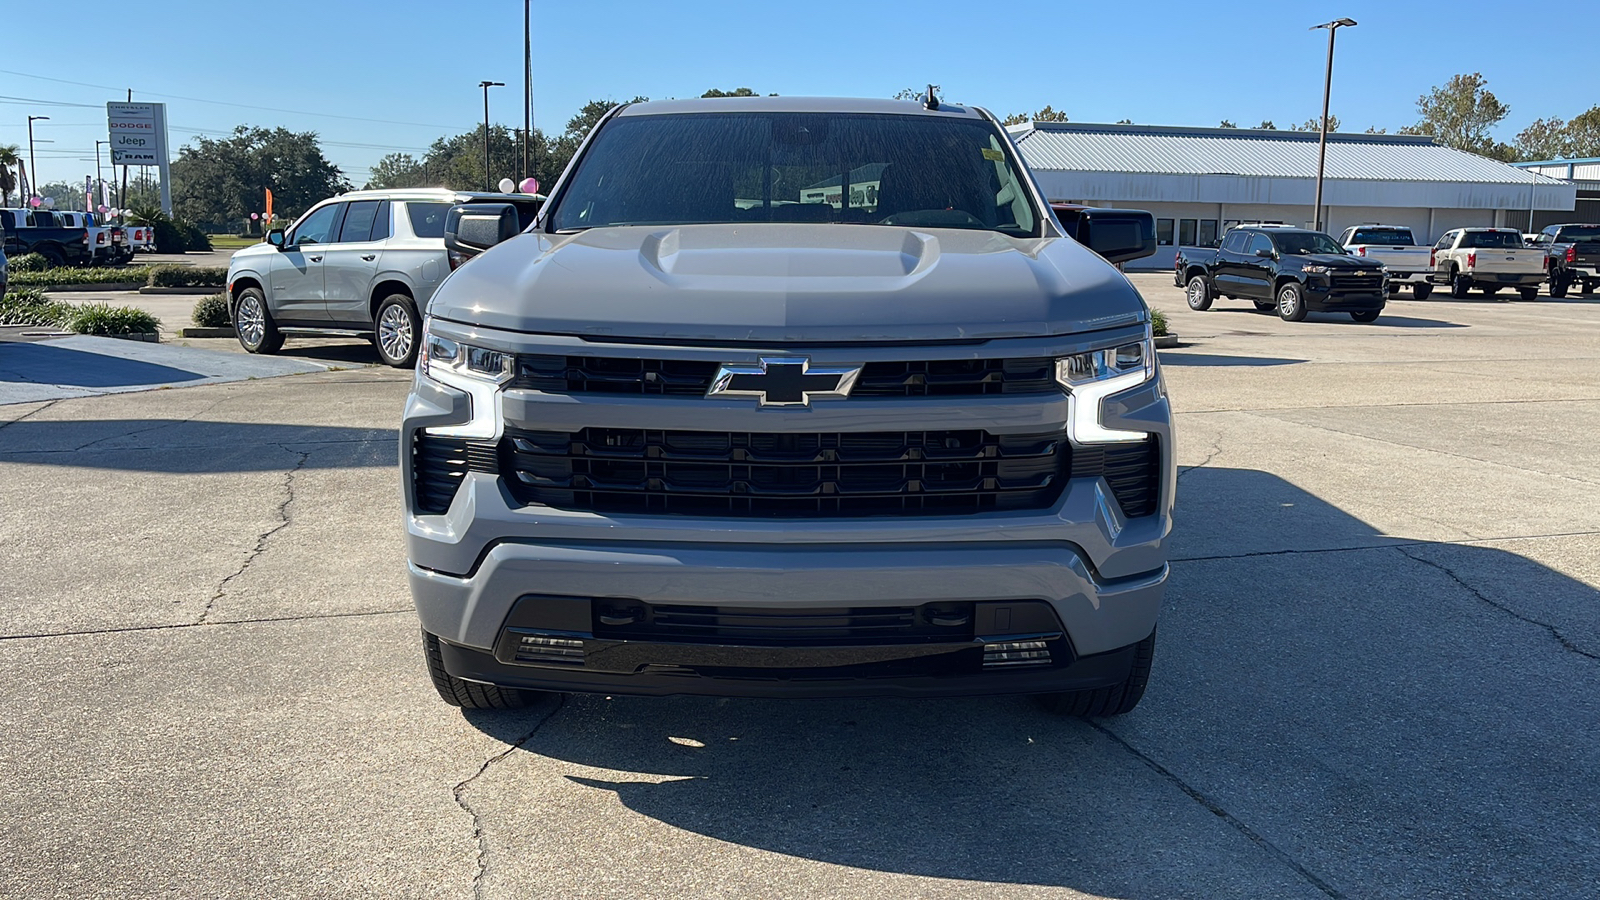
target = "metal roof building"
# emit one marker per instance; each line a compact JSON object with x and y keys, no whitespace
{"x":1585,"y":177}
{"x":1199,"y":180}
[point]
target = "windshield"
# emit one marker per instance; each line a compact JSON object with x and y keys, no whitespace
{"x":1579,"y":234}
{"x":1393,"y":237}
{"x":1491,"y":239}
{"x":1301,"y":243}
{"x":921,"y":171}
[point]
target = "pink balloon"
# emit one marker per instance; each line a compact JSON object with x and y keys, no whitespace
{"x":529,"y":186}
{"x":35,"y":202}
{"x":254,"y":216}
{"x":102,"y":207}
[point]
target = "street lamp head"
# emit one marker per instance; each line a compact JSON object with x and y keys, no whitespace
{"x":1336,"y":23}
{"x":490,"y":84}
{"x":37,"y":118}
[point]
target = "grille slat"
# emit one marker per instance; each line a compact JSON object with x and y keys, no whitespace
{"x":788,"y":627}
{"x":440,"y":464}
{"x":1132,"y":470}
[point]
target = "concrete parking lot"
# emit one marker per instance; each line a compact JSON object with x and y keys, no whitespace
{"x":1376,"y":677}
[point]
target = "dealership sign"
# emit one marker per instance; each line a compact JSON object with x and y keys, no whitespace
{"x":138,"y":133}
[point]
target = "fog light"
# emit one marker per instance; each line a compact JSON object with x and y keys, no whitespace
{"x":541,"y":648}
{"x":1016,"y":653}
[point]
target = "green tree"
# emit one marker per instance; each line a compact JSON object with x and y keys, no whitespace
{"x":1225,"y":123}
{"x":10,"y":159}
{"x":1543,"y":139}
{"x":736,"y":92}
{"x":1124,"y":121}
{"x":1459,"y":114}
{"x":918,"y":93}
{"x":224,"y":180}
{"x":1315,"y":124}
{"x":396,"y":170}
{"x":1049,"y":114}
{"x":1583,"y":134}
{"x":68,"y":195}
{"x":1373,"y":129}
{"x":1266,"y":125}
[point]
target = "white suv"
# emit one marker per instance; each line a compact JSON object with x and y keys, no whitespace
{"x":363,"y":263}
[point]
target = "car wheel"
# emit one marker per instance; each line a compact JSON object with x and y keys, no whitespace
{"x":1366,"y":315}
{"x":253,"y":323}
{"x":1459,"y":285}
{"x":1198,"y":293}
{"x":1421,"y":291}
{"x":1264,"y":305}
{"x":1107,"y":701}
{"x":1491,"y":290}
{"x":1291,"y":302}
{"x":1529,"y":293}
{"x":1558,"y":287}
{"x":52,"y":256}
{"x":397,"y":331}
{"x":470,"y":694}
{"x":1588,"y":287}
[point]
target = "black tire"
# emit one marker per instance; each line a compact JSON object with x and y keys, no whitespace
{"x":253,"y":324}
{"x":1459,"y":285}
{"x":1529,"y":293}
{"x":1491,"y":290}
{"x":1558,"y":286}
{"x":1198,"y":293}
{"x":52,"y":256}
{"x":397,"y":331}
{"x":470,"y":694}
{"x":1291,"y":302}
{"x":1107,"y":701}
{"x":1421,"y":291}
{"x":1264,"y":305}
{"x":1588,"y":287}
{"x":1366,"y":315}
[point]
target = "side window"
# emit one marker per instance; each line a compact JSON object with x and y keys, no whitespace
{"x":1208,"y":233}
{"x":1164,"y":232}
{"x":1235,"y":241}
{"x":1446,"y":241}
{"x":358,"y":221}
{"x":427,"y":219}
{"x":1186,"y":232}
{"x":1259,"y":242}
{"x":318,"y":228}
{"x":381,"y":227}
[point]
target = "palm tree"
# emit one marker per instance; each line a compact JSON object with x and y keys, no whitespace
{"x":10,"y":158}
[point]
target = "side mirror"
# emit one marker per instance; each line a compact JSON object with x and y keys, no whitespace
{"x":275,"y":238}
{"x":1264,"y":254}
{"x":471,"y":228}
{"x":1118,"y":235}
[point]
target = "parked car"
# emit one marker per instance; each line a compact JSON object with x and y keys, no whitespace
{"x":708,"y":435}
{"x":38,"y":231}
{"x":1572,"y":257}
{"x":1291,"y":270}
{"x":1488,"y":259}
{"x":108,"y":244}
{"x":362,"y":263}
{"x":141,"y":237}
{"x":1398,"y":251}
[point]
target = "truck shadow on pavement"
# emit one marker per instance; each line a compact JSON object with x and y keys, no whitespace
{"x":1333,"y":711}
{"x":47,"y":364}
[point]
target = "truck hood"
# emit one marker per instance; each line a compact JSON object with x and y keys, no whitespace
{"x":1335,"y":261}
{"x":783,"y":283}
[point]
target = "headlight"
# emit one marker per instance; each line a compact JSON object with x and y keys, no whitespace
{"x":477,"y":371}
{"x":1315,"y":270}
{"x":1091,"y":377}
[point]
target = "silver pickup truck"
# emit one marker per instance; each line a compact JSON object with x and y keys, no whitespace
{"x":789,"y":397}
{"x":1393,"y":246}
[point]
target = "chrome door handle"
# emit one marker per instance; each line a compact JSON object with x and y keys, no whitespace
{"x":314,"y":258}
{"x":369,"y":257}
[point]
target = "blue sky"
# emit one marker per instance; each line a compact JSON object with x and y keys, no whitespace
{"x":414,"y":66}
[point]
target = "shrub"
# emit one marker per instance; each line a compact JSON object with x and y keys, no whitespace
{"x":96,"y":275}
{"x":169,"y":237}
{"x":29,"y":262}
{"x":212,"y":312}
{"x":103,"y":318}
{"x":1158,"y":323}
{"x":30,"y":306}
{"x":187,"y":276}
{"x":194,"y":239}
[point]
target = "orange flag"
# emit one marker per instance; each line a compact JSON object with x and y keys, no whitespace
{"x":269,"y":204}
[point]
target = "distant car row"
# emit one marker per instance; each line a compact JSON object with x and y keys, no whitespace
{"x":71,"y":238}
{"x":1296,"y":270}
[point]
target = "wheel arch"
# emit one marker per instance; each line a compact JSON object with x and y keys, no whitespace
{"x":387,"y":285}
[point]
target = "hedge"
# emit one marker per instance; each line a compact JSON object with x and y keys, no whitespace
{"x":30,"y":306}
{"x":187,"y":276}
{"x":95,"y":275}
{"x":29,"y":262}
{"x":103,"y":318}
{"x":1158,"y":323}
{"x":212,"y":312}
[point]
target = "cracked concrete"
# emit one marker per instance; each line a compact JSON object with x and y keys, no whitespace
{"x":552,"y":706}
{"x":262,"y":538}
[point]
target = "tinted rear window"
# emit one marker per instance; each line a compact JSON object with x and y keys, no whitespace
{"x":427,"y":219}
{"x":1394,"y":237}
{"x":1491,"y":239}
{"x":1580,"y":234}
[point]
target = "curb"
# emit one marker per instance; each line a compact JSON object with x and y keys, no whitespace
{"x":83,"y":288}
{"x":181,"y":290}
{"x":206,"y":332}
{"x":1166,"y":340}
{"x":149,"y":337}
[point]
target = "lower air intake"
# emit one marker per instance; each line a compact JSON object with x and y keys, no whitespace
{"x":539,"y":648}
{"x":1008,"y":654}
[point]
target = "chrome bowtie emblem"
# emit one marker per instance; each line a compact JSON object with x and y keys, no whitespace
{"x":787,"y":381}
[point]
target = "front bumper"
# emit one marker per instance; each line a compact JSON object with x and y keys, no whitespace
{"x":1320,"y":299}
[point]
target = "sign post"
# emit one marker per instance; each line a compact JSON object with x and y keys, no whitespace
{"x":139,"y":138}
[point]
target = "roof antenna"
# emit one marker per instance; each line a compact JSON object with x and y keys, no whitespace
{"x":930,"y":101}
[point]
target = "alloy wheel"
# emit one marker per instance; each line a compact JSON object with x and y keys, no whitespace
{"x":251,"y":321}
{"x":394,"y":332}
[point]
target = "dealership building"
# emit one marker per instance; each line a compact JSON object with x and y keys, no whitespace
{"x":1199,"y":181}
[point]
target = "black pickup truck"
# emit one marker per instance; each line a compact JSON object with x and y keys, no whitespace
{"x":1572,"y":256}
{"x":1292,"y":270}
{"x":38,"y":231}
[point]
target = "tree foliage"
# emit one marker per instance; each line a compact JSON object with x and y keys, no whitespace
{"x":1554,"y":138}
{"x":1048,"y":114}
{"x":68,"y":195}
{"x":224,"y":180}
{"x":1226,"y":123}
{"x":1460,"y":113}
{"x":1315,"y":124}
{"x":1266,"y":125}
{"x":736,"y":92}
{"x":10,"y":158}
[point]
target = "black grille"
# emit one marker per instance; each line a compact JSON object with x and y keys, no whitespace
{"x":1356,"y":284}
{"x":439,"y":464}
{"x":945,"y":377}
{"x":755,"y":474}
{"x":630,"y":620}
{"x":1132,"y":470}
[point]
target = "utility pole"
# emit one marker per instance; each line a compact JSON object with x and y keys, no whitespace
{"x":527,"y":85}
{"x":1327,"y":92}
{"x":33,"y":166}
{"x":487,"y":185}
{"x":99,"y":179}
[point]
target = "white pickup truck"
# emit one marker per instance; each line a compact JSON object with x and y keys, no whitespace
{"x":108,"y":243}
{"x":1487,"y":258}
{"x":1396,"y":248}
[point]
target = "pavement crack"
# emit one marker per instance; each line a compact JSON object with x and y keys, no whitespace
{"x":261,"y":540}
{"x":1553,"y":630}
{"x":1221,"y":813}
{"x":459,"y":792}
{"x":30,"y":414}
{"x":1216,"y":450}
{"x":165,"y":423}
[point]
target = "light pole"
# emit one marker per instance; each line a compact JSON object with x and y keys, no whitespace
{"x":1327,"y":91}
{"x":99,"y":180}
{"x":486,"y":85}
{"x":527,"y":85}
{"x":33,"y":167}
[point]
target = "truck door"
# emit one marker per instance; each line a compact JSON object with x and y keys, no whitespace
{"x":296,"y":272}
{"x":351,"y":262}
{"x":1257,"y":281}
{"x":1228,"y":271}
